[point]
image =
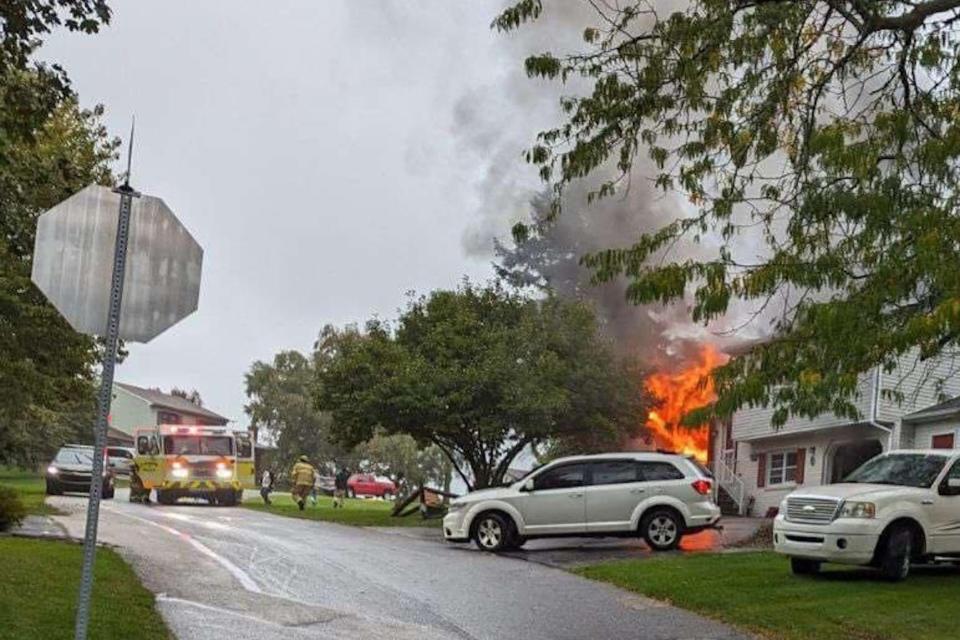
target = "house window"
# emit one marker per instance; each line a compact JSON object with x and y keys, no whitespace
{"x":782,"y":468}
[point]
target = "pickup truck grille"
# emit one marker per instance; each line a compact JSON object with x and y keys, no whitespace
{"x":812,"y":510}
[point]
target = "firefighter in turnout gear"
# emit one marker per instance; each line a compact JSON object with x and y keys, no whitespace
{"x":303,"y":477}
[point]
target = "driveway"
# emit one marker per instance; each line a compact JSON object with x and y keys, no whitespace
{"x":237,"y":573}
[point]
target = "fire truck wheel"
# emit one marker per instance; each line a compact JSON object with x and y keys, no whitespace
{"x":164,"y":497}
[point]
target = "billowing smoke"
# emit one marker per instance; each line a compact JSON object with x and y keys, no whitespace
{"x":510,"y":192}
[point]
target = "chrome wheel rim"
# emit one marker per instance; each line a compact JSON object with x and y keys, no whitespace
{"x":662,"y":531}
{"x":489,"y":533}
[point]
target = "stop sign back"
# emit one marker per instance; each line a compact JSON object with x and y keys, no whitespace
{"x":73,"y":263}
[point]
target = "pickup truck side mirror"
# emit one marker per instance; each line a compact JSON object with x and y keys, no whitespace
{"x":951,"y":487}
{"x":528,"y":485}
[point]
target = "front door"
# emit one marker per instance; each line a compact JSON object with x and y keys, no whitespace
{"x":149,"y":461}
{"x":556,"y":504}
{"x":615,"y":490}
{"x":944,"y":519}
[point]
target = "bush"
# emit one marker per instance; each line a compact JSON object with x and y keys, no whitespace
{"x":12,"y":511}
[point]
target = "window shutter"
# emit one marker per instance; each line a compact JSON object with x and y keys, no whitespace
{"x":762,"y":470}
{"x":801,"y":465}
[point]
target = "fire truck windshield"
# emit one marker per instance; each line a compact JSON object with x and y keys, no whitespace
{"x":198,"y":445}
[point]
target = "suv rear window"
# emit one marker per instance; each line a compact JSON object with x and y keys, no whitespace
{"x":615,"y":472}
{"x":651,"y":471}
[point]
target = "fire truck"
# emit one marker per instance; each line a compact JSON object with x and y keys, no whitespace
{"x":195,"y":461}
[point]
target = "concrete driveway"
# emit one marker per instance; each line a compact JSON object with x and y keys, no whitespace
{"x":237,"y":573}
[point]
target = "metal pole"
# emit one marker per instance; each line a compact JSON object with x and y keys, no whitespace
{"x":103,"y":410}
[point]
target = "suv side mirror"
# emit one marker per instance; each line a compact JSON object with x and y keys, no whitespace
{"x":528,"y":485}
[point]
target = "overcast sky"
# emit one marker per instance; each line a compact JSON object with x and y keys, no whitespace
{"x":317,"y":152}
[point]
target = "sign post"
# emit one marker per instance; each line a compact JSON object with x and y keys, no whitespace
{"x":119,"y":265}
{"x":103,"y":409}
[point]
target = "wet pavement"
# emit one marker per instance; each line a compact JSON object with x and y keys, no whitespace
{"x":248,"y":574}
{"x":567,"y":553}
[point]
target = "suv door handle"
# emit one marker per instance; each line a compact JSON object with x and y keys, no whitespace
{"x":576,"y":495}
{"x":638,"y":490}
{"x":926,"y":502}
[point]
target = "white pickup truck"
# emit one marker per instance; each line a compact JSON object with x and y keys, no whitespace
{"x":899,"y":508}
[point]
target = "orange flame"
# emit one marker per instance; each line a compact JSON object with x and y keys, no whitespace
{"x":678,"y":394}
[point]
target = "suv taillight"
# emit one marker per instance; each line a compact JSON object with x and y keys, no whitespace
{"x":703,"y":487}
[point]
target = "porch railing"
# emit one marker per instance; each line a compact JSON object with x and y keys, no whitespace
{"x":728,"y":479}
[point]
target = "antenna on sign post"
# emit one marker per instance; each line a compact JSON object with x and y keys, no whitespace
{"x":111,"y":336}
{"x":133,"y":125}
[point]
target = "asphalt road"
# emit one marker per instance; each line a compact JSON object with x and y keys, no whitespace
{"x":238,"y":574}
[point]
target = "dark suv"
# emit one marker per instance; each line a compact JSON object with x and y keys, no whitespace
{"x":72,"y":469}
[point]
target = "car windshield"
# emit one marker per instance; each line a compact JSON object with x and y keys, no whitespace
{"x":74,"y":457}
{"x":905,"y":469}
{"x":198,"y":445}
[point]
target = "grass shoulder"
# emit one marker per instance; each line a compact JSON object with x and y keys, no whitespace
{"x":756,"y":591}
{"x":39,"y":590}
{"x":356,"y":512}
{"x":31,"y":487}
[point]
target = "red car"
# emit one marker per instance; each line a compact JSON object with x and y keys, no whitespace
{"x":367,"y":484}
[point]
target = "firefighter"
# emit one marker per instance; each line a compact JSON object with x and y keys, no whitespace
{"x":302,"y":476}
{"x":138,"y":492}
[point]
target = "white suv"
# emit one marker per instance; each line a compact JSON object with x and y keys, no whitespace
{"x":898,"y":508}
{"x":658,"y":496}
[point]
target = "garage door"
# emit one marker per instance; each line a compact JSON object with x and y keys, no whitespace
{"x":943,"y":441}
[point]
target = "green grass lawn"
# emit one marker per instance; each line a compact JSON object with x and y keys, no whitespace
{"x":757,"y":592}
{"x":31,"y":487}
{"x":357,"y":512}
{"x":38,"y":593}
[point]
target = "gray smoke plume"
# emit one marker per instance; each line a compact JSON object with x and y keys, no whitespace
{"x":511,"y":192}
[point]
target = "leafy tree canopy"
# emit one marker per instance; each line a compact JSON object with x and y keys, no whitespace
{"x":281,"y":403}
{"x":481,"y":373}
{"x":826,"y":132}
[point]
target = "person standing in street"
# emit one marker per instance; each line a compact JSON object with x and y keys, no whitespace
{"x":266,"y":486}
{"x":303,"y":476}
{"x":340,"y":487}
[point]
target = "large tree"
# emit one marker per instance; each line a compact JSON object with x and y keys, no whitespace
{"x":46,"y":368}
{"x":824,"y":132}
{"x":281,"y":404}
{"x":480,"y":372}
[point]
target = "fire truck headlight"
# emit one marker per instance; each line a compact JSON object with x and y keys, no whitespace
{"x":180,"y":471}
{"x":224,"y":474}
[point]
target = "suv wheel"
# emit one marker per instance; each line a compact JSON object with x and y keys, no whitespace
{"x":491,"y":532}
{"x":895,"y":559}
{"x":661,"y":529}
{"x":804,"y":567}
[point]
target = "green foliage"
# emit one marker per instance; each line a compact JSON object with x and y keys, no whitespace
{"x":281,"y":403}
{"x":46,"y":369}
{"x":12,"y":509}
{"x":22,"y":22}
{"x":479,"y":372}
{"x":823,"y":134}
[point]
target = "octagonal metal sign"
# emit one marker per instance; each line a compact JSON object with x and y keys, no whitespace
{"x":73,"y":264}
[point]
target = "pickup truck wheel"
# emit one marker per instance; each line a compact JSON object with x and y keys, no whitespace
{"x":804,"y":567}
{"x":661,"y":529}
{"x":491,"y":532}
{"x":895,"y":560}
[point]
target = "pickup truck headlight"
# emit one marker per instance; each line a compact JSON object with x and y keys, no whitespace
{"x":858,"y":510}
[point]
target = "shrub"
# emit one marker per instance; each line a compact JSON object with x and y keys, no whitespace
{"x":12,"y":511}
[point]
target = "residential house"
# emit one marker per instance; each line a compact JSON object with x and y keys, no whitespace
{"x":757,"y":465}
{"x":134,"y":407}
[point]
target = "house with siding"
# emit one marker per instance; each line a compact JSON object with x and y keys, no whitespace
{"x":757,"y":465}
{"x":134,"y":407}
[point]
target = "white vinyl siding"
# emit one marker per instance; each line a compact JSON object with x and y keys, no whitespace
{"x":922,"y":383}
{"x":924,"y":433}
{"x":128,"y":411}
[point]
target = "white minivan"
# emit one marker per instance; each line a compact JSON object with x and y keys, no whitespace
{"x":660,"y":497}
